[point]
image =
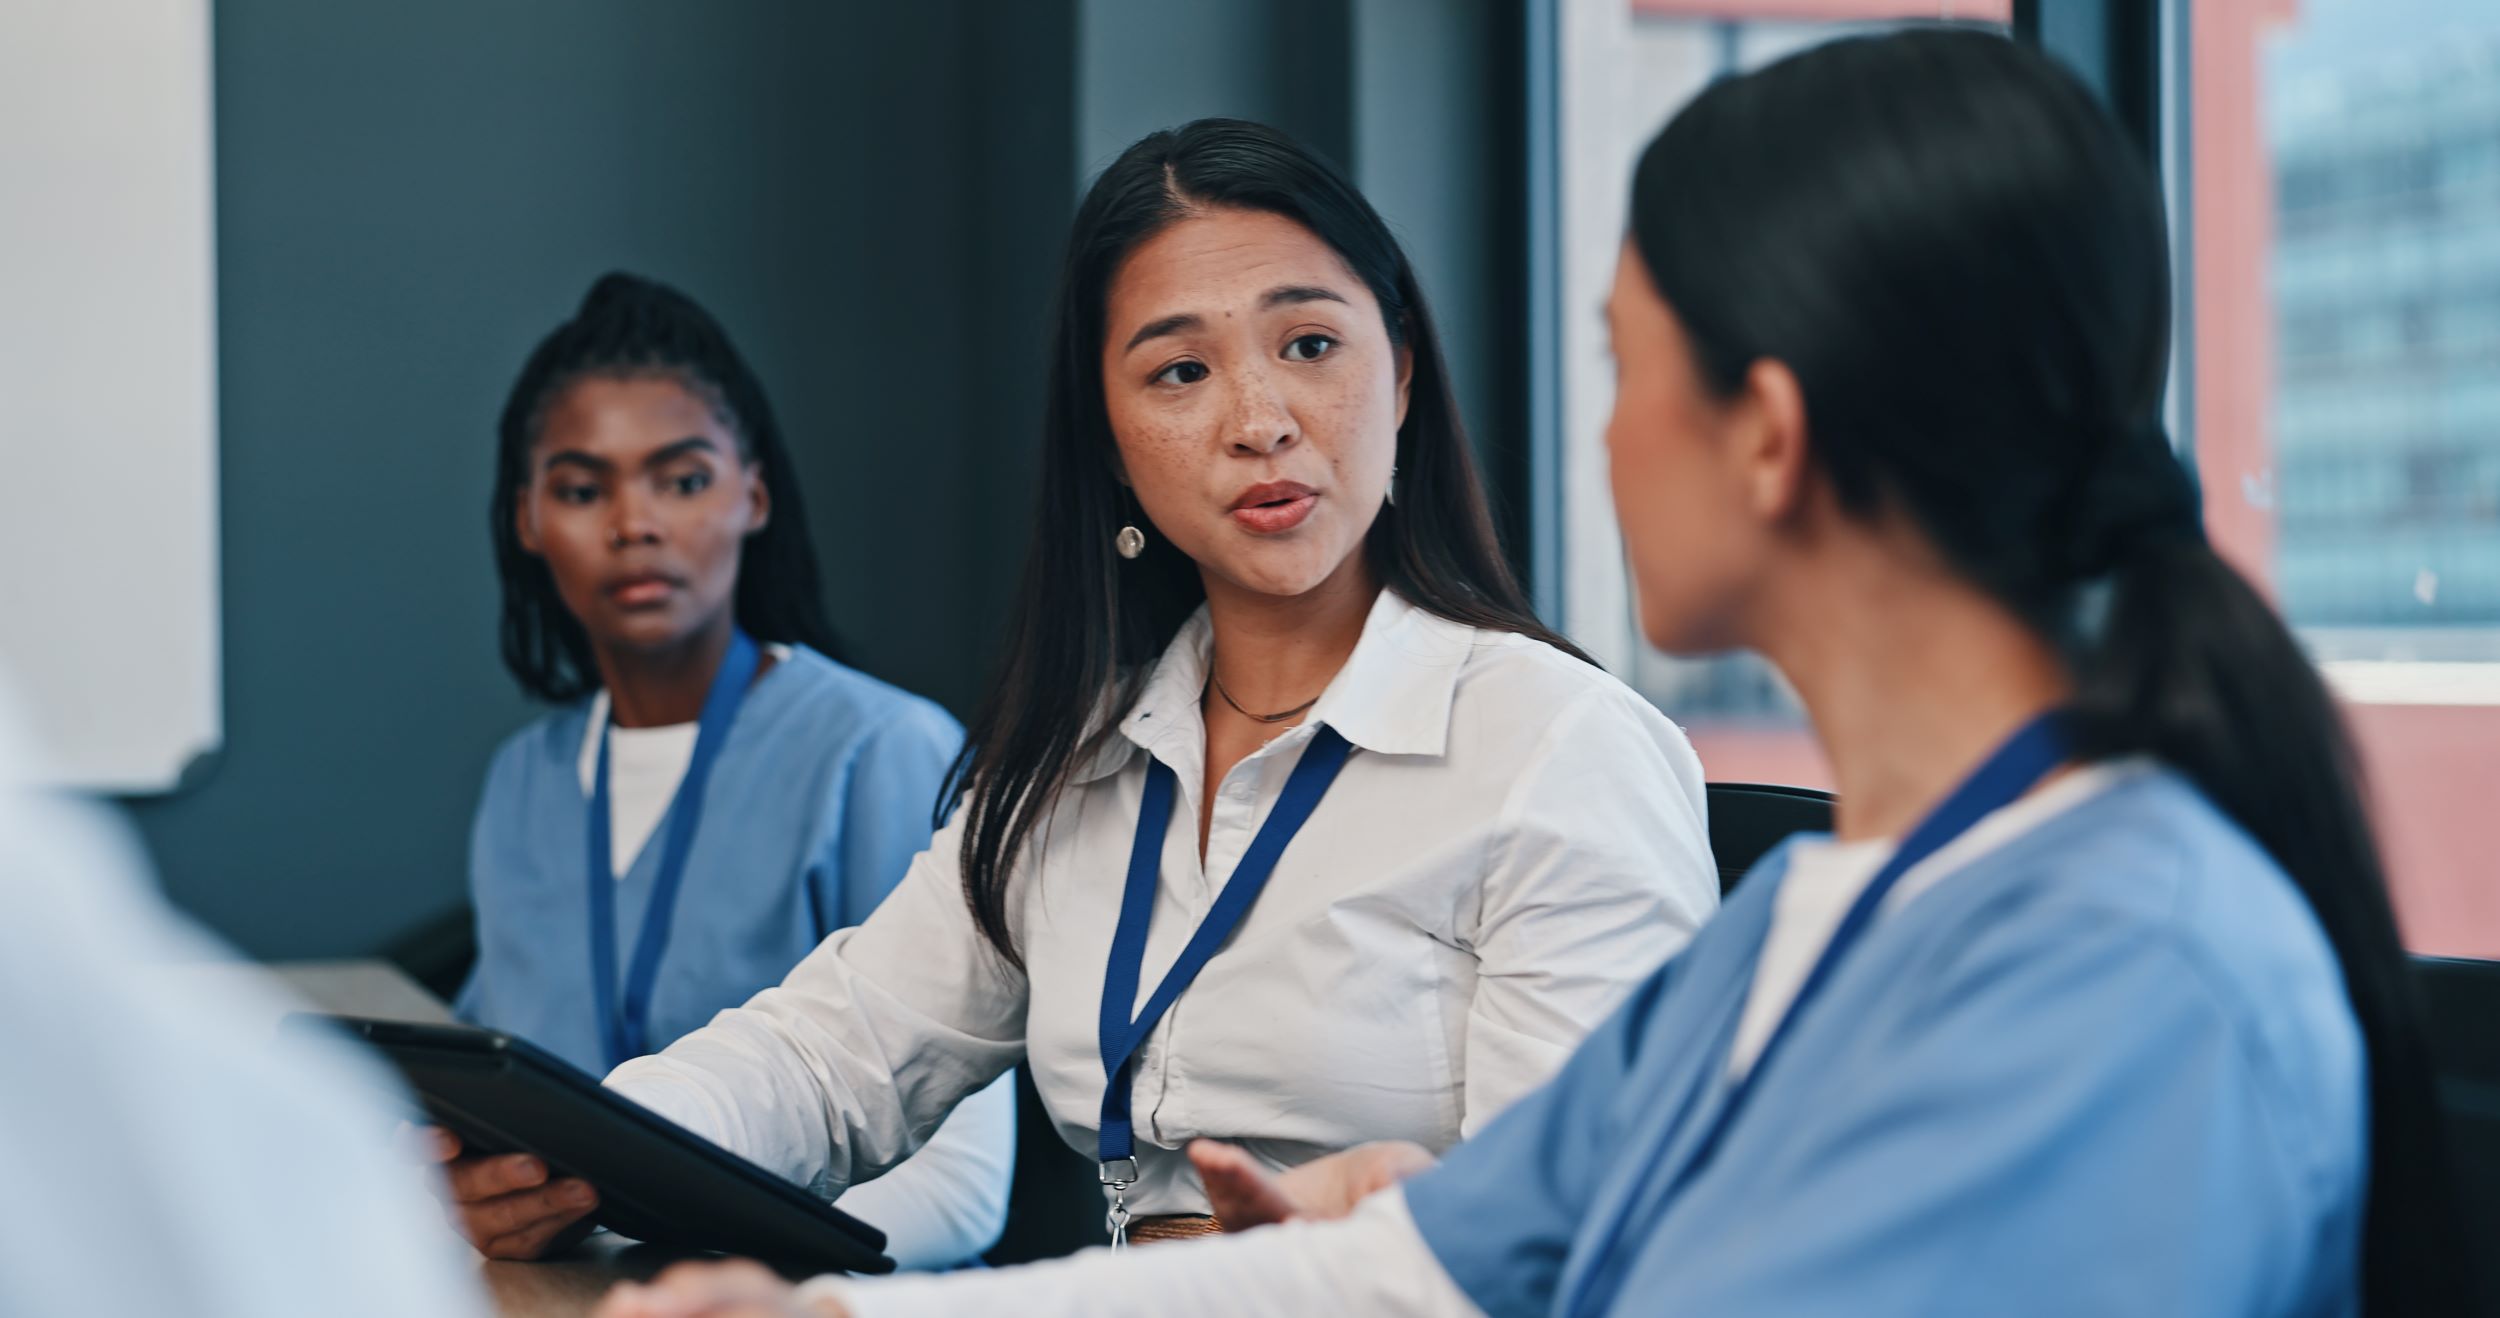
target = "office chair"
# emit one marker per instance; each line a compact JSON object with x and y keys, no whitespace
{"x":1748,"y":819}
{"x":2461,"y":1010}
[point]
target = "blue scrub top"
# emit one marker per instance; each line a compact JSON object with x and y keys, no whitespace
{"x":2106,"y":1068}
{"x":821,"y":797}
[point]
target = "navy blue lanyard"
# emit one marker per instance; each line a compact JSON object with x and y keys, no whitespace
{"x":1121,"y":1036}
{"x":622,"y":1028}
{"x":2003,"y":778}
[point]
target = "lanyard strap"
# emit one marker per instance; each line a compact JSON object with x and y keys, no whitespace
{"x":623,"y":1027}
{"x":1120,"y":1036}
{"x":2000,"y":780}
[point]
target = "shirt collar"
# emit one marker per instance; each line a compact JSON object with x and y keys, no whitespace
{"x":1393,"y":696}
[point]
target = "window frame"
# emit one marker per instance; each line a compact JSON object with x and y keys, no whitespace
{"x":2140,"y":56}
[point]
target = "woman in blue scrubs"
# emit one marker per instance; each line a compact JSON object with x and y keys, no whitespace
{"x":2093,"y":1004}
{"x":714,"y":794}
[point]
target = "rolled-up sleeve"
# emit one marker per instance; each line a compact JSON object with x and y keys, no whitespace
{"x":948,"y":1202}
{"x":841,"y":1071}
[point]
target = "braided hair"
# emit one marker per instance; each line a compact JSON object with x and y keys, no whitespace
{"x":629,"y":327}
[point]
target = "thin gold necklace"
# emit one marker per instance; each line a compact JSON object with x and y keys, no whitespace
{"x":1263,"y":718}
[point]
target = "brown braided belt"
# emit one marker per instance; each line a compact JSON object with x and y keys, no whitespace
{"x":1172,"y":1226}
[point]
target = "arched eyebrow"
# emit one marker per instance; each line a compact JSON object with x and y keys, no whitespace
{"x":661,"y":456}
{"x":1283,"y":295}
{"x":1155,"y":329}
{"x":1289,"y":294}
{"x":668,"y":453}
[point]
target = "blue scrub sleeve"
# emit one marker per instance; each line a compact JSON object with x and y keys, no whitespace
{"x":1502,"y":1208}
{"x":2069,"y":1123}
{"x":887,"y":806}
{"x":472,"y":1003}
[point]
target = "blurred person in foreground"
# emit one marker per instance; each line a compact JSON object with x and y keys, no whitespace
{"x":162,"y":1151}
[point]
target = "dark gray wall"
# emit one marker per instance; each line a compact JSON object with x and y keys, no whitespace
{"x":872,"y":197}
{"x":1419,"y":100}
{"x":1150,"y":64}
{"x":1019,"y":155}
{"x":408,"y":196}
{"x":1436,"y":118}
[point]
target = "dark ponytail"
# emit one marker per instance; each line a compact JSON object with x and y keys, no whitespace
{"x":2194,"y":667}
{"x":629,"y":326}
{"x":1964,"y":264}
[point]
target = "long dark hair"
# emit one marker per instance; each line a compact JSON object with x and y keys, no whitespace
{"x":628,"y":326}
{"x":1088,"y":625}
{"x":1964,"y":264}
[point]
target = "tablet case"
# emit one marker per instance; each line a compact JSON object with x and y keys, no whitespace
{"x":658,"y":1182}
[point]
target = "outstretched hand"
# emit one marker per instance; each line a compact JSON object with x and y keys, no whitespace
{"x":1246,"y":1194}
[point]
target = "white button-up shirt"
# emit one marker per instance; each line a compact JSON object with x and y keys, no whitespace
{"x":1517,"y":839}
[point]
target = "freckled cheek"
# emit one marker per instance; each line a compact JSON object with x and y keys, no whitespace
{"x":1355,"y":430}
{"x":1166,"y":461}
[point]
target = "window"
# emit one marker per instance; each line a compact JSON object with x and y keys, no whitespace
{"x":1626,"y":67}
{"x":2337,"y":213}
{"x":2345,"y":267}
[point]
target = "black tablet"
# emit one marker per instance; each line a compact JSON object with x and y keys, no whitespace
{"x":658,"y":1182}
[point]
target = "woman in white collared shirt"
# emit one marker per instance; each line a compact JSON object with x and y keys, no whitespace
{"x":1514,"y":840}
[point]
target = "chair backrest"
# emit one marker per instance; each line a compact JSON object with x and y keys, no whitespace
{"x":1055,"y":1203}
{"x":439,"y":952}
{"x":1748,"y":819}
{"x":2461,"y":1007}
